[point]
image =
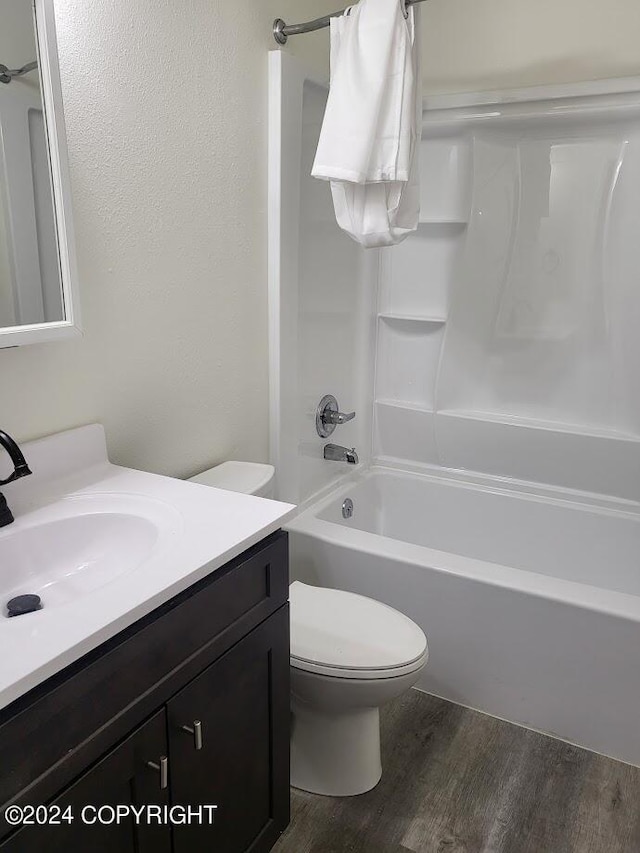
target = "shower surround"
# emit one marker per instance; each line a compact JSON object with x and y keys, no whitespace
{"x":493,"y":361}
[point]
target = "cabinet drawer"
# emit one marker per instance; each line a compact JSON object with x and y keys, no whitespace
{"x":77,"y":715}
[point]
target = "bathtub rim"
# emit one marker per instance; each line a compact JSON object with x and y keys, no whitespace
{"x":573,"y":593}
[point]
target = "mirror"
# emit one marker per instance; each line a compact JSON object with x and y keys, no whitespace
{"x":38,"y":279}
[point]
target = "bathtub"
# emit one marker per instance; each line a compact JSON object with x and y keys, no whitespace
{"x":530,"y":598}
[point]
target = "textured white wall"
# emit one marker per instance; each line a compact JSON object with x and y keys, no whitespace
{"x":471,"y":45}
{"x":166,"y":118}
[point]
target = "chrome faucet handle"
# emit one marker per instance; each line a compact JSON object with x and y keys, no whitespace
{"x":328,"y":416}
{"x":331,"y":417}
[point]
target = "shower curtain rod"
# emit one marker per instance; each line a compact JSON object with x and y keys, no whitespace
{"x":282,"y":31}
{"x":7,"y":74}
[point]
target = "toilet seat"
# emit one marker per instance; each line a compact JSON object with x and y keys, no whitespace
{"x":343,"y":635}
{"x":364,"y":674}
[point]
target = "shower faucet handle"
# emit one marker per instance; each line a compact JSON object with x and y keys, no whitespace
{"x":329,"y":416}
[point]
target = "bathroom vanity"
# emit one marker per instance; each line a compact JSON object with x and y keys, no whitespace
{"x":200,"y":689}
{"x":156,"y":674}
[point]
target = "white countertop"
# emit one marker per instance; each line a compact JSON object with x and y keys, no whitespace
{"x":203,"y":529}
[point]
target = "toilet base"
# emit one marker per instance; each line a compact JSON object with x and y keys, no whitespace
{"x":335,"y":754}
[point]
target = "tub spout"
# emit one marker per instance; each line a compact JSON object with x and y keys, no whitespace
{"x":335,"y":453}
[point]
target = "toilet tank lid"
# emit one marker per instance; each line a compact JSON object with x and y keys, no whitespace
{"x":246,"y":477}
{"x":339,"y":629}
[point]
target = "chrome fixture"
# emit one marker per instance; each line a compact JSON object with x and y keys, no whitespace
{"x":8,"y":74}
{"x":20,"y":469}
{"x":347,"y":508}
{"x":328,"y":417}
{"x":282,"y":31}
{"x":335,"y":453}
{"x":196,"y":733}
{"x":163,"y":769}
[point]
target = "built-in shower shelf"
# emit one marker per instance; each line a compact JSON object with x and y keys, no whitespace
{"x":505,"y":419}
{"x":588,"y":458}
{"x":404,"y":430}
{"x":442,"y":220}
{"x":446,"y":174}
{"x":404,"y":404}
{"x":417,"y":276}
{"x":413,"y":318}
{"x":407,"y":361}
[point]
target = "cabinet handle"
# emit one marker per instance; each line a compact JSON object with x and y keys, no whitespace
{"x":163,"y":769}
{"x":196,"y":731}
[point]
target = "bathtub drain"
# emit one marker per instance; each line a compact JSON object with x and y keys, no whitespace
{"x":347,"y":508}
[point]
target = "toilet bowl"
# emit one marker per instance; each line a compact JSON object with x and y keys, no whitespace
{"x":349,"y":656}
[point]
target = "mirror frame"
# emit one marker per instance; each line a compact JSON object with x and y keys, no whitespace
{"x":49,"y":70}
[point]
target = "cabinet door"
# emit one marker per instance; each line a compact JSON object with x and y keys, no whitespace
{"x":242,"y":767}
{"x":122,"y":777}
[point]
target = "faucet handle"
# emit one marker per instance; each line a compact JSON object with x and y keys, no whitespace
{"x":337,"y":418}
{"x":328,"y":416}
{"x":20,"y":467}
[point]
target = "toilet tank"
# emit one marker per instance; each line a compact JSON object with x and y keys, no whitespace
{"x":250,"y":478}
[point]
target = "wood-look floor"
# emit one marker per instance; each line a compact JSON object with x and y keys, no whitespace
{"x":456,"y":781}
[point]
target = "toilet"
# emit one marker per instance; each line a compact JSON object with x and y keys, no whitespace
{"x":251,"y":478}
{"x":349,"y":656}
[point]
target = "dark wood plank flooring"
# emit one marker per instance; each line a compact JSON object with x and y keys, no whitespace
{"x":457,"y":781}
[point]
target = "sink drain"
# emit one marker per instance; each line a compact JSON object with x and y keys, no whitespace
{"x":22,"y":604}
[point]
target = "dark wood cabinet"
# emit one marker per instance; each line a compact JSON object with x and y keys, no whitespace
{"x":211,"y":676}
{"x":122,"y":777}
{"x":244,"y":757}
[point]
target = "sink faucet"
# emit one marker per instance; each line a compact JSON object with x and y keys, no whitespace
{"x":20,"y":469}
{"x":335,"y":453}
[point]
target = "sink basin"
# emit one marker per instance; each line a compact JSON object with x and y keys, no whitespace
{"x":103,"y":546}
{"x":78,"y":545}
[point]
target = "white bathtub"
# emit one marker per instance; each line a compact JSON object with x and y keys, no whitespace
{"x":530,"y":600}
